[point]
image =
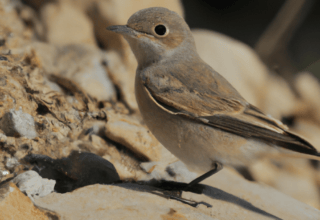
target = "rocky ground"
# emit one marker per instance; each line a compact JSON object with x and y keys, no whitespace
{"x":66,"y":84}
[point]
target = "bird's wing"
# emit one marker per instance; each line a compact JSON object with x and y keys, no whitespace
{"x":183,"y":88}
{"x":208,"y":98}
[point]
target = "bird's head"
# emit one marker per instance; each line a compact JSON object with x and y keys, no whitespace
{"x":156,"y":33}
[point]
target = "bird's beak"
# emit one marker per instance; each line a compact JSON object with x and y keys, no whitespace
{"x":122,"y":29}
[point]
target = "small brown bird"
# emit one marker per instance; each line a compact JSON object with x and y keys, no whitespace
{"x":190,"y":108}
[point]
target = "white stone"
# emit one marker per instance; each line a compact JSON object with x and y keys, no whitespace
{"x":33,"y":185}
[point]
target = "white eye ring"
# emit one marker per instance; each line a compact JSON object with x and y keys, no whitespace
{"x":161,"y":30}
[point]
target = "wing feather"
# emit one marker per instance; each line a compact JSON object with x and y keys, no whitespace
{"x":209,"y":98}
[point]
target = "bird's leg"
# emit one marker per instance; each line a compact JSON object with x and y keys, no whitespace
{"x":216,"y":169}
{"x":180,"y":199}
{"x":178,"y":196}
{"x":173,"y":190}
{"x":177,"y":188}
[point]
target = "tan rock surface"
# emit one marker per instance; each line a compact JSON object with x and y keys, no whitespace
{"x":80,"y":63}
{"x":136,"y":137}
{"x":123,"y":77}
{"x":309,"y":89}
{"x":278,"y":99}
{"x":243,"y":201}
{"x":114,"y":202}
{"x":15,"y":205}
{"x":12,"y":31}
{"x":309,"y":130}
{"x":63,"y":23}
{"x":292,"y":176}
{"x":259,"y":196}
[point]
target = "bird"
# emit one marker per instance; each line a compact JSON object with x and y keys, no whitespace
{"x":190,"y":108}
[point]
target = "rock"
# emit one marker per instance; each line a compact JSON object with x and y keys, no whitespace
{"x":149,"y":166}
{"x":308,"y":129}
{"x":15,"y":205}
{"x":14,"y":33}
{"x":95,"y":81}
{"x":264,"y":171}
{"x":18,"y":123}
{"x":248,"y":200}
{"x":308,"y":88}
{"x":36,"y":4}
{"x":11,"y":162}
{"x":31,"y":18}
{"x":3,"y":138}
{"x":123,"y":77}
{"x":276,"y":105}
{"x":130,"y":133}
{"x":111,"y":9}
{"x":235,"y":61}
{"x":126,"y":165}
{"x":3,"y":58}
{"x":114,"y":202}
{"x":234,"y":196}
{"x":291,"y":176}
{"x":176,"y":171}
{"x":66,"y":24}
{"x":80,"y":63}
{"x":3,"y":174}
{"x":300,"y":187}
{"x":33,"y":185}
{"x":13,"y":93}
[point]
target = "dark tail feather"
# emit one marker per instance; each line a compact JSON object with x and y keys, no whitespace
{"x":300,"y":145}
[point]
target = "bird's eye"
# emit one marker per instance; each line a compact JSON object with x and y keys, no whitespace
{"x":161,"y":30}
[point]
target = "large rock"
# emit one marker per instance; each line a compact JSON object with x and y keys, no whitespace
{"x":14,"y":33}
{"x":237,"y":198}
{"x":308,"y":129}
{"x":292,"y":176}
{"x":130,"y":133}
{"x":112,"y":202}
{"x":123,"y":76}
{"x":65,"y":24}
{"x":80,"y":63}
{"x":15,"y":205}
{"x":308,"y":88}
{"x":246,"y":200}
{"x":277,"y":98}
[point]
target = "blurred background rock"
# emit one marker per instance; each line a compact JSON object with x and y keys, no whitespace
{"x":63,"y":68}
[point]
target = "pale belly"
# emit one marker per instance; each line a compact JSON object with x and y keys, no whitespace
{"x":196,"y":144}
